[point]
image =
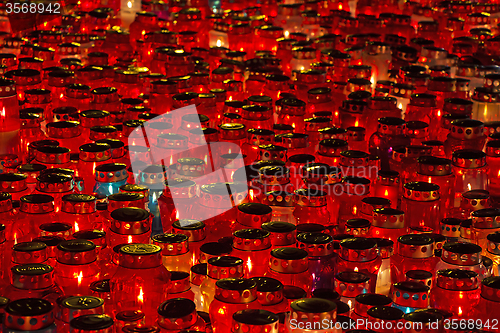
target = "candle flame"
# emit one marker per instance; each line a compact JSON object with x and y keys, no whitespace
{"x":77,"y":228}
{"x":498,"y":173}
{"x":340,"y":6}
{"x":469,"y":187}
{"x":439,"y":113}
{"x":459,"y":310}
{"x":287,"y":33}
{"x":140,"y":297}
{"x":2,"y":113}
{"x":79,"y":277}
{"x":230,"y":98}
{"x":249,"y":265}
{"x":354,"y":210}
{"x":130,"y":239}
{"x":219,"y":43}
{"x":400,"y":106}
{"x":129,"y":4}
{"x":386,"y":193}
{"x":372,"y":80}
{"x":429,"y":180}
{"x":349,"y":302}
{"x":61,"y":96}
{"x":356,"y":269}
{"x":176,"y":214}
{"x":356,"y":124}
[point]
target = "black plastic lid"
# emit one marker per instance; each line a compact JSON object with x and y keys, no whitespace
{"x":92,"y":322}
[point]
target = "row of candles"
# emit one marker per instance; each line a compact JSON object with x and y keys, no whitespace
{"x":253,"y":169}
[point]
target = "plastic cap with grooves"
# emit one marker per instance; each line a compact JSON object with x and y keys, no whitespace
{"x":434,"y":166}
{"x":351,"y":284}
{"x":29,"y":252}
{"x":269,"y":290}
{"x":388,"y":218}
{"x":93,"y":323}
{"x":461,"y":254}
{"x":13,"y":182}
{"x":140,"y":256}
{"x":28,"y":314}
{"x":457,"y":279}
{"x":130,"y":221}
{"x":95,"y":152}
{"x":76,"y":252}
{"x":111,"y":172}
{"x":421,"y":191}
{"x":32,"y":276}
{"x":364,"y":302}
{"x":76,"y":203}
{"x":255,"y":321}
{"x":288,"y":260}
{"x":193,"y":229}
{"x":37,"y":204}
{"x":358,"y":249}
{"x":251,"y":240}
{"x":417,"y":246}
{"x":172,"y":244}
{"x":125,"y":200}
{"x":357,"y":227}
{"x":225,"y":267}
{"x":411,"y":294}
{"x":281,"y":233}
{"x":315,"y":243}
{"x":468,"y":158}
{"x":236,"y":291}
{"x":308,"y":198}
{"x":177,"y":314}
{"x":54,"y":183}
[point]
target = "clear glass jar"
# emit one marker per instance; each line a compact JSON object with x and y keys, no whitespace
{"x":421,"y":204}
{"x":471,"y":172}
{"x":321,"y":257}
{"x":141,"y":281}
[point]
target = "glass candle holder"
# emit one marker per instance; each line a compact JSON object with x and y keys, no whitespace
{"x":355,"y":189}
{"x":350,"y":284}
{"x":91,"y":155}
{"x":121,"y":220}
{"x":457,"y":255}
{"x":242,"y":297}
{"x":79,"y":210}
{"x":104,"y":253}
{"x":15,"y":184}
{"x":175,"y":251}
{"x":489,"y":297}
{"x":76,"y":266}
{"x":388,"y":136}
{"x":270,"y":295}
{"x":484,"y":223}
{"x":360,"y":255}
{"x":252,"y":245}
{"x":140,"y":263}
{"x":295,"y":273}
{"x":35,"y":208}
{"x":388,"y":186}
{"x":309,"y":205}
{"x":464,"y":134}
{"x":65,"y":133}
{"x":74,"y":306}
{"x":282,"y":234}
{"x":321,"y":258}
{"x":40,"y":285}
{"x":460,"y":285}
{"x":20,"y":310}
{"x":109,"y":178}
{"x":255,"y":320}
{"x":56,"y":185}
{"x":484,"y":105}
{"x":421,"y":203}
{"x":219,"y":268}
{"x":388,"y":223}
{"x":471,"y":171}
{"x":414,"y":252}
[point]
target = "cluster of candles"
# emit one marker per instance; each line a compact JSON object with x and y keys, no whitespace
{"x":334,"y":162}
